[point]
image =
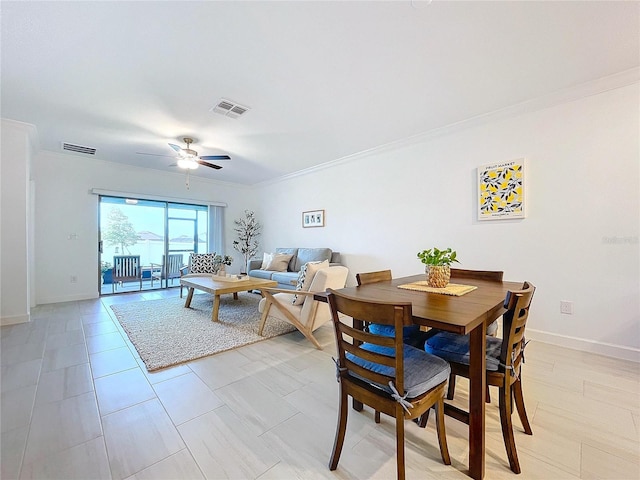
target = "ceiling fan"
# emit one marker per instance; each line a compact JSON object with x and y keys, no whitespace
{"x":188,"y":159}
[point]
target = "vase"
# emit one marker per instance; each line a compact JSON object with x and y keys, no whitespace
{"x":222,"y":272}
{"x":438,"y":275}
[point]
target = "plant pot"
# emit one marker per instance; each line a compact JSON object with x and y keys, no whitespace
{"x":438,"y":275}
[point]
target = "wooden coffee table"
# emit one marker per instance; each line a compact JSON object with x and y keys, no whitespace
{"x":221,"y":285}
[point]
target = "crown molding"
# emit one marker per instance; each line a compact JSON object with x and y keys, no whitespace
{"x":570,"y":94}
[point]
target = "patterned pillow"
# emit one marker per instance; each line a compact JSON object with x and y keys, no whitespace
{"x":305,"y":277}
{"x":201,"y":263}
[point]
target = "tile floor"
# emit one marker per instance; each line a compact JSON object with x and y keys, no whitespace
{"x":77,"y":403}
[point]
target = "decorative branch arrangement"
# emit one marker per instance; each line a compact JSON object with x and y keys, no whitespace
{"x":248,"y":229}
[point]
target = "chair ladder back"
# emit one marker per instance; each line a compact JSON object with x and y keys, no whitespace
{"x":374,"y":312}
{"x":517,"y":303}
{"x":490,"y":275}
{"x":373,"y":277}
{"x":366,"y":278}
{"x":126,"y":266}
{"x":174,"y":265}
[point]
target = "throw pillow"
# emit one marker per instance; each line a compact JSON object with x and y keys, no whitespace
{"x":266,"y":260}
{"x":305,"y":277}
{"x":201,"y":263}
{"x":279,"y":262}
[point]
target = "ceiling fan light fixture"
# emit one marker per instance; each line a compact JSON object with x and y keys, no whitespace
{"x":187,"y":163}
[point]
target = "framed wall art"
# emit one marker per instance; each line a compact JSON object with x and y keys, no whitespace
{"x":501,"y":190}
{"x":313,"y":218}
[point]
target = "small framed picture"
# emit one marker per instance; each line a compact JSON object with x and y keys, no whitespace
{"x":313,"y":218}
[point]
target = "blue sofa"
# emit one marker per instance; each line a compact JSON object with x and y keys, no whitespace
{"x":300,"y":256}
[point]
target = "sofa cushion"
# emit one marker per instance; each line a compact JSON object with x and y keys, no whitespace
{"x":306,"y":255}
{"x":279,"y":262}
{"x":305,"y":277}
{"x":266,"y":260}
{"x":285,"y":279}
{"x":266,"y":274}
{"x":201,"y":263}
{"x":290,"y":251}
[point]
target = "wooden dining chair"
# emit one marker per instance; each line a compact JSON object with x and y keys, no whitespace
{"x":504,"y":362}
{"x":410,"y":332}
{"x":492,"y":328}
{"x":383,"y":372}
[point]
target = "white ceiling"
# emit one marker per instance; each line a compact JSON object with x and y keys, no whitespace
{"x":323,"y":80}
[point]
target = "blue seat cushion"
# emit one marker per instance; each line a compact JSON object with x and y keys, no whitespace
{"x":422,"y":371}
{"x":390,"y":331}
{"x":455,"y":348}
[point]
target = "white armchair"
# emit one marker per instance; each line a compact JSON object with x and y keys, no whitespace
{"x":311,"y":314}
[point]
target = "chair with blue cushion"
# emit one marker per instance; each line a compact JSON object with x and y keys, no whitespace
{"x":411,"y":333}
{"x":383,"y":372}
{"x":492,"y":328}
{"x":504,"y":360}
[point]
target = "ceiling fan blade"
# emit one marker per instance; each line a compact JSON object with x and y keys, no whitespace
{"x":176,"y":147}
{"x":215,"y":157}
{"x":210,"y":165}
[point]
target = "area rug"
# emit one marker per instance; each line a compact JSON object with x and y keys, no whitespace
{"x":165,"y":333}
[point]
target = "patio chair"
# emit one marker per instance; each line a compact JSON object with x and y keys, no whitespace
{"x":126,"y":268}
{"x":170,"y":271}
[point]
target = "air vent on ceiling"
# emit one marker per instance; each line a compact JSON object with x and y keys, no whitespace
{"x":230,"y":109}
{"x":70,"y":147}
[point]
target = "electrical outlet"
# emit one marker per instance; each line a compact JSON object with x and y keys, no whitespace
{"x":566,"y":307}
{"x":73,"y":279}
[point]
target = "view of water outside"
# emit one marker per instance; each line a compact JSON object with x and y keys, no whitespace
{"x":138,"y":229}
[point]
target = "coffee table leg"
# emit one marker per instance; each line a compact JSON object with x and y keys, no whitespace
{"x":216,"y":307}
{"x":187,"y":302}
{"x":235,"y":295}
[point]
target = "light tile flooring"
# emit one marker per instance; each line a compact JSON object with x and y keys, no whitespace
{"x":77,"y":402}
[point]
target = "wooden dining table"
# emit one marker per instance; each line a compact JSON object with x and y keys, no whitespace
{"x":466,"y":314}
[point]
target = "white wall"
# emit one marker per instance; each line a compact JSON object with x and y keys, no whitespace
{"x":15,"y":212}
{"x":578,"y":242}
{"x":65,"y":206}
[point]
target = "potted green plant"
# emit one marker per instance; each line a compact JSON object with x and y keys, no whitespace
{"x":105,"y":269}
{"x":438,"y":265}
{"x":219,"y":263}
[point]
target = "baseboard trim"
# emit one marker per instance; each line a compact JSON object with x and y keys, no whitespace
{"x":14,"y":319}
{"x":591,"y":346}
{"x":67,"y":298}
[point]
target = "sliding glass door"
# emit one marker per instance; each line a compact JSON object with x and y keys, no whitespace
{"x":144,"y":243}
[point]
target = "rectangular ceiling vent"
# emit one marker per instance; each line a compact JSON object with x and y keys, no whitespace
{"x":70,"y":147}
{"x":230,"y":109}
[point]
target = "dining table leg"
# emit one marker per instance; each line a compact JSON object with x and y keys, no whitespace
{"x":477,"y":390}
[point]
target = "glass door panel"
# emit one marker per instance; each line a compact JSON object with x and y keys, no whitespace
{"x":159,"y":235}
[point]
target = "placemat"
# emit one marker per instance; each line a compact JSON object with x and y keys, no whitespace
{"x":454,"y":289}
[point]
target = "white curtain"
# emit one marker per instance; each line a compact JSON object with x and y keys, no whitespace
{"x":216,"y":229}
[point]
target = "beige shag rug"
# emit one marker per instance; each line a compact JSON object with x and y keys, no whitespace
{"x":165,"y":333}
